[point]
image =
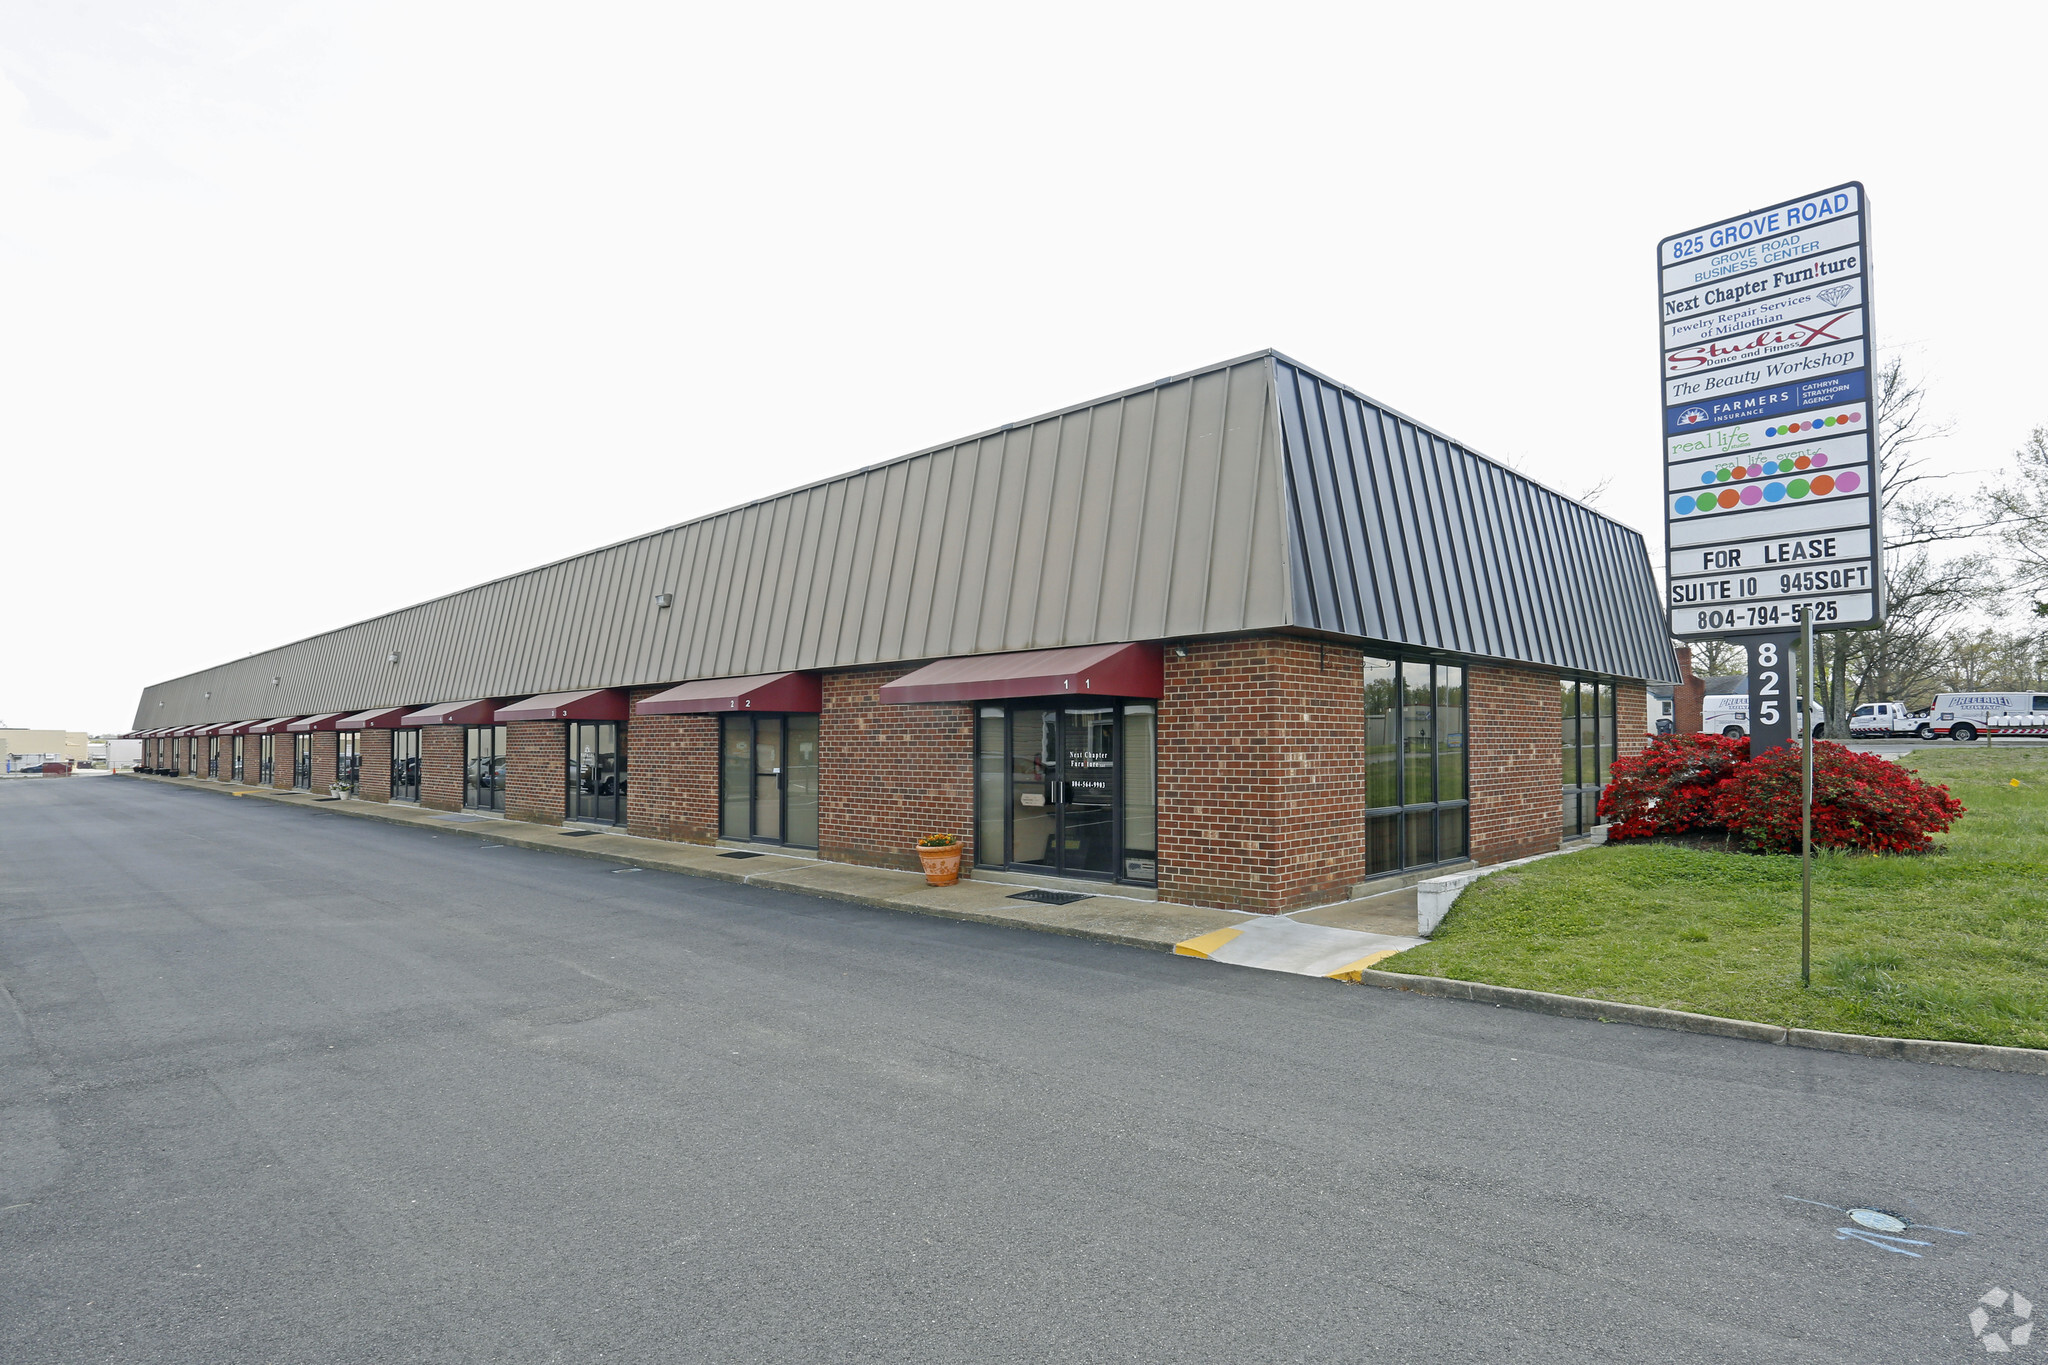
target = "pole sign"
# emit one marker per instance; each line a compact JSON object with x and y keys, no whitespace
{"x":1771,"y":484}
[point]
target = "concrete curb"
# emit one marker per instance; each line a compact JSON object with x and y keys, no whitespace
{"x":1977,"y":1056}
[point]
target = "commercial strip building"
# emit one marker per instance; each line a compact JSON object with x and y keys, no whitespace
{"x":1242,"y":638}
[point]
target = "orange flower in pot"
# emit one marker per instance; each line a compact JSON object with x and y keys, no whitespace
{"x":940,"y":854}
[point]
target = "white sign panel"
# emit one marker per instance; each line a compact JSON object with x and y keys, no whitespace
{"x":1770,"y":461}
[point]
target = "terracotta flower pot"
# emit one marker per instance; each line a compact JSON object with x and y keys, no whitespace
{"x":941,"y":865}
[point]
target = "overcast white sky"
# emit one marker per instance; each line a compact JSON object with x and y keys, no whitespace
{"x":313,"y":311}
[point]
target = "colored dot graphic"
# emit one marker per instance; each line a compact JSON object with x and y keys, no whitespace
{"x":1765,"y":468}
{"x":1794,"y":428}
{"x":1721,"y":500}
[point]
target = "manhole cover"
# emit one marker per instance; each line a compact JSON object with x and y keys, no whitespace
{"x":1877,"y":1222}
{"x":1052,"y":897}
{"x":742,"y":855}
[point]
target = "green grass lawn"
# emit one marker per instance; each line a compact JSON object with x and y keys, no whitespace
{"x":1950,"y":945}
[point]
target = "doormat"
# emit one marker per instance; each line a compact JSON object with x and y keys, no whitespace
{"x":1052,"y":897}
{"x":577,"y":833}
{"x":460,"y":819}
{"x":737,"y":854}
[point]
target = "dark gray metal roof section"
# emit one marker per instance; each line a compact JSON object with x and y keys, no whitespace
{"x":1174,"y":509}
{"x":1399,"y":533}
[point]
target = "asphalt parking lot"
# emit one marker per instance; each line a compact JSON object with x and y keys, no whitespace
{"x":281,"y":1087}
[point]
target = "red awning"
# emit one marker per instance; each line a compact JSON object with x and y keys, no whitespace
{"x":599,"y":703}
{"x":241,"y":727}
{"x":454,"y":713}
{"x":383,"y":718}
{"x":1133,"y":670}
{"x":798,"y":692}
{"x":312,"y":723}
{"x":274,"y":726}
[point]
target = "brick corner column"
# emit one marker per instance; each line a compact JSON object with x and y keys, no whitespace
{"x":1262,"y":774}
{"x":1514,"y":732}
{"x":1631,"y":719}
{"x":536,"y":771}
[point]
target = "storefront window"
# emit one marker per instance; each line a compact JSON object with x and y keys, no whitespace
{"x":1587,"y":740}
{"x":1415,"y":765}
{"x":1069,"y":789}
{"x":348,"y":756}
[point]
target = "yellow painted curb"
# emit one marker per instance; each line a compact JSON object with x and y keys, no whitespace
{"x":1204,"y":944}
{"x":1356,"y":971}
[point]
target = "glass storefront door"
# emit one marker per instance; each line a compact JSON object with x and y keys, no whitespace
{"x":266,"y":760}
{"x":236,"y":771}
{"x":597,"y":772}
{"x":302,"y":762}
{"x":768,"y":779}
{"x":405,"y":765}
{"x":213,"y":757}
{"x":483,"y":768}
{"x":1073,"y":789}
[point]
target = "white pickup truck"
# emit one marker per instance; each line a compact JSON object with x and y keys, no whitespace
{"x":1879,"y":719}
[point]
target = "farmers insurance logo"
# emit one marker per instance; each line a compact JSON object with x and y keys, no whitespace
{"x":1692,"y":417}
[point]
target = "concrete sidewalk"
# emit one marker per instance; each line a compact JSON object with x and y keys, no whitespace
{"x":1329,"y":940}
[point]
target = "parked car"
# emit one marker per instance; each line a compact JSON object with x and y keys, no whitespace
{"x":1964,"y":716}
{"x":1882,"y":718}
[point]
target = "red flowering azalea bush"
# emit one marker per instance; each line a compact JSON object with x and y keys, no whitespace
{"x":1859,"y":801}
{"x":1668,"y":788}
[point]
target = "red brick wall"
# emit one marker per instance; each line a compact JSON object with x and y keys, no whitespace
{"x":324,"y":750}
{"x":1689,"y":698}
{"x":283,"y":754}
{"x":1261,"y":774}
{"x":1631,"y":719}
{"x":890,"y":774}
{"x":672,"y":776}
{"x":536,"y":773}
{"x":375,"y":782}
{"x":1517,"y":782}
{"x":441,"y":755}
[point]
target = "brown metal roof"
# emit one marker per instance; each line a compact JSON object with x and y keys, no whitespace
{"x":1250,"y":495}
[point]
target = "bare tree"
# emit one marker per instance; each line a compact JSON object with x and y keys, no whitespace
{"x":1921,"y":593}
{"x":2022,"y":508}
{"x":1718,"y":658}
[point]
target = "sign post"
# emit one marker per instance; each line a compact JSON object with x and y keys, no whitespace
{"x":1806,"y":806}
{"x":1772,"y":490}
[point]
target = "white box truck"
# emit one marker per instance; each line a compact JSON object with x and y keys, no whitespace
{"x":1966,"y":715}
{"x":1728,"y":714}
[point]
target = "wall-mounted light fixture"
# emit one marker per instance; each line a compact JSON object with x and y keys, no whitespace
{"x":1180,"y":651}
{"x":664,"y":599}
{"x":209,"y":696}
{"x":275,"y":681}
{"x":394,"y":656}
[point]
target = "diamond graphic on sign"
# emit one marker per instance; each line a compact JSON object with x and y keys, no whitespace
{"x":1835,"y":295}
